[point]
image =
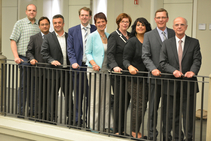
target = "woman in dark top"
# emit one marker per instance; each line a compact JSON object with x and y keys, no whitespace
{"x":133,"y":62}
{"x":116,"y":43}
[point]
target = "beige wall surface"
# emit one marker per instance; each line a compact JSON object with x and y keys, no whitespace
{"x":204,"y":36}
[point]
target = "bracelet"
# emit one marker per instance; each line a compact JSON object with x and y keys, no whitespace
{"x":93,"y":64}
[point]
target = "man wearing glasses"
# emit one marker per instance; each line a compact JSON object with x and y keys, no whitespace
{"x":34,"y":56}
{"x":151,"y":55}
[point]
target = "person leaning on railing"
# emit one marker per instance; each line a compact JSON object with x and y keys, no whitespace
{"x":133,"y":62}
{"x":116,"y":44}
{"x":96,"y":48}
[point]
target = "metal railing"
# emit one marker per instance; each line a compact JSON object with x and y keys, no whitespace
{"x":99,"y":101}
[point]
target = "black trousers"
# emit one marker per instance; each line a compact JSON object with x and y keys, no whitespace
{"x":121,"y":103}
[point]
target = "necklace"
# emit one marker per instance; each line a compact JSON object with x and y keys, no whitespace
{"x":126,"y":34}
{"x":104,"y":38}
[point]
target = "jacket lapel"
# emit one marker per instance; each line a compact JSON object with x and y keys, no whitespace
{"x":174,"y":48}
{"x":157,"y":35}
{"x":186,"y":46}
{"x":80,"y":36}
{"x":56,"y":40}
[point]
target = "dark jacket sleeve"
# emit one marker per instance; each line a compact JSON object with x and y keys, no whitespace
{"x":111,"y":51}
{"x":30,"y":49}
{"x":129,"y":53}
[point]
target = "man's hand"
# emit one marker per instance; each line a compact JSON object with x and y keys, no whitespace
{"x":33,"y":62}
{"x":177,"y":73}
{"x":156,"y":72}
{"x":55,"y":63}
{"x":132,"y":70}
{"x":117,"y":69}
{"x":18,"y":60}
{"x":189,"y":74}
{"x":75,"y":66}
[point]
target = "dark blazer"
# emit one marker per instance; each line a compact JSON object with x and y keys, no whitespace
{"x":75,"y":44}
{"x":191,"y":60}
{"x":116,"y":44}
{"x":34,"y":48}
{"x":51,"y":49}
{"x":132,"y":54}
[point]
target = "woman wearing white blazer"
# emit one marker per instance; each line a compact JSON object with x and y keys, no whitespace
{"x":96,"y":53}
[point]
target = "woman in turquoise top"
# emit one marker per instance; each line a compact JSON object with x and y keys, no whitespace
{"x":96,"y":53}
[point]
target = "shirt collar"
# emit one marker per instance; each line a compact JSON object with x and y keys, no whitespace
{"x":160,"y":31}
{"x":88,"y":26}
{"x":183,"y":39}
{"x":29,"y":22}
{"x":60,"y":36}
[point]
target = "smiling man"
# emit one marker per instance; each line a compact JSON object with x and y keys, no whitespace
{"x":181,"y":57}
{"x":150,"y":55}
{"x":19,"y":40}
{"x":76,"y":46}
{"x":54,"y":51}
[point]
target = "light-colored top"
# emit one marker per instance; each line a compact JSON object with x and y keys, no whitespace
{"x":183,"y":42}
{"x":21,"y":33}
{"x":62,"y":42}
{"x":104,"y":65}
{"x":83,"y":35}
{"x":161,"y":35}
{"x":95,"y":49}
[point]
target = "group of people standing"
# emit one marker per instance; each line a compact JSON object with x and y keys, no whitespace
{"x":89,"y":48}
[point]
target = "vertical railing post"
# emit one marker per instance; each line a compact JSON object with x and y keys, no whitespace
{"x":2,"y":78}
{"x":208,"y":138}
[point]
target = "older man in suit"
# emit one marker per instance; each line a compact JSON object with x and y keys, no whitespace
{"x":76,"y":46}
{"x":34,"y":56}
{"x":54,"y":51}
{"x":181,"y":57}
{"x":150,"y":55}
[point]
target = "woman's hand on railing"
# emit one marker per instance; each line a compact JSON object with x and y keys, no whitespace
{"x":132,"y":70}
{"x":95,"y":67}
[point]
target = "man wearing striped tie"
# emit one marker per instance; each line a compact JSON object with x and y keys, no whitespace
{"x":76,"y":46}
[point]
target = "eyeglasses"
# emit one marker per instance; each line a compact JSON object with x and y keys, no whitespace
{"x":179,"y":25}
{"x":126,"y":22}
{"x":44,"y":24}
{"x":158,"y":18}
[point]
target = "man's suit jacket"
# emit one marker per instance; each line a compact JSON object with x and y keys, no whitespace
{"x":51,"y":49}
{"x":75,"y":44}
{"x":34,"y":48}
{"x":151,"y":49}
{"x":191,"y":60}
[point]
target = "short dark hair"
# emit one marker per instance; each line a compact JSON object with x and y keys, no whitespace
{"x":144,"y":22}
{"x":31,"y":4}
{"x":58,"y":16}
{"x":86,"y":9}
{"x":100,"y":15}
{"x":162,"y":10}
{"x":122,"y":16}
{"x":43,"y":18}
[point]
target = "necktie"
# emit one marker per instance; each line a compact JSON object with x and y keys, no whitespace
{"x":86,"y":33}
{"x":164,"y":36}
{"x":180,"y":55}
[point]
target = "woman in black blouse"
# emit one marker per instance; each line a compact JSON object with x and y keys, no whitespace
{"x":133,"y":62}
{"x":116,"y":43}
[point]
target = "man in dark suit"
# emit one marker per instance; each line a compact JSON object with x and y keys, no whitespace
{"x":34,"y":56}
{"x":54,"y":51}
{"x":150,"y":55}
{"x":181,"y":57}
{"x":76,"y":47}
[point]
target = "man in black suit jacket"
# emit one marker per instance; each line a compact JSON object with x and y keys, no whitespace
{"x":185,"y":69}
{"x":54,"y":51}
{"x":34,"y":56}
{"x":150,"y":55}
